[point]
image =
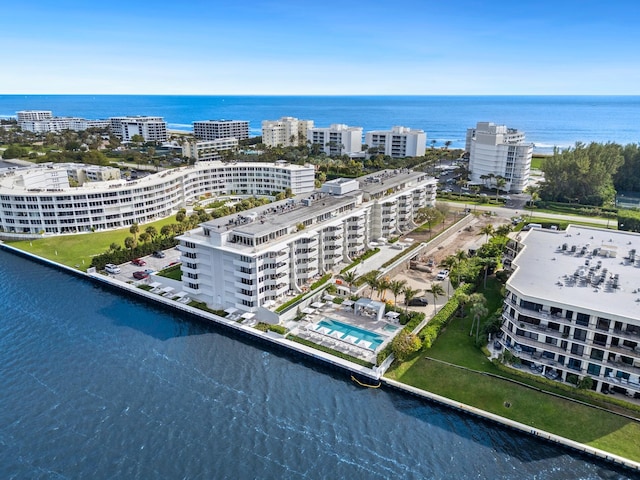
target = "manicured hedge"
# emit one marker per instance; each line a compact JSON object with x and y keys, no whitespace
{"x":430,"y":332}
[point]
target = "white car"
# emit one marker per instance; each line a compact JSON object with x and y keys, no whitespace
{"x":442,"y":274}
{"x":111,"y":268}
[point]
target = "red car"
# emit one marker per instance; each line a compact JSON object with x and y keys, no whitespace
{"x":140,"y":275}
{"x":139,"y":262}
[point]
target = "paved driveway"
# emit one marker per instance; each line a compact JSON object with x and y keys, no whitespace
{"x":152,"y":263}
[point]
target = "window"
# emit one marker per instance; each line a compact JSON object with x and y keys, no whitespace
{"x":530,"y":305}
{"x":597,"y":354}
{"x":603,"y":324}
{"x":600,"y":339}
{"x":582,"y":319}
{"x":580,"y":334}
{"x":577,"y":349}
{"x":593,"y":369}
{"x":574,"y":364}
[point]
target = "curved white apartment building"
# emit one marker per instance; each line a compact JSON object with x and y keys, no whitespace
{"x":39,"y":199}
{"x":255,"y":258}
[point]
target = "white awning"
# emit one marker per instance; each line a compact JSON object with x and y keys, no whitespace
{"x":231,"y":310}
{"x":248,"y":315}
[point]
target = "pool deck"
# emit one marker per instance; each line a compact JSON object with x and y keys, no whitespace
{"x":306,"y":328}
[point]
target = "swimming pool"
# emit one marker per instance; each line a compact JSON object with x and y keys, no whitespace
{"x":360,"y":336}
{"x":390,"y":328}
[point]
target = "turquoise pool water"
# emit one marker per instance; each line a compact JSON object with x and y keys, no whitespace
{"x":390,"y":328}
{"x":346,"y":330}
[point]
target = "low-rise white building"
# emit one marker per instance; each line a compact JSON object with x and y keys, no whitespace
{"x":337,"y":139}
{"x":151,"y":129}
{"x":572,"y":306}
{"x":215,"y":129}
{"x":40,"y":200}
{"x":257,"y":257}
{"x":34,"y":115}
{"x":495,"y":150}
{"x":286,"y":132}
{"x":398,"y":142}
{"x":205,"y":150}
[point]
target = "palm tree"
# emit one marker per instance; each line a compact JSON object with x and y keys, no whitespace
{"x":503,"y":230}
{"x":463,"y":299}
{"x":383,"y":286}
{"x":487,"y":230}
{"x":450,"y":262}
{"x":130,"y":243}
{"x":152,"y":231}
{"x":478,"y":311}
{"x":500,"y":183}
{"x":396,"y":287}
{"x":437,"y":291}
{"x":371,"y":279}
{"x":133,"y":230}
{"x":409,"y":294}
{"x":350,"y":277}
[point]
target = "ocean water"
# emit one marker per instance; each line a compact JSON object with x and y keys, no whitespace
{"x":547,"y":121}
{"x":97,"y":385}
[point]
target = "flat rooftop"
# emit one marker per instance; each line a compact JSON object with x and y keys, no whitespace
{"x":593,"y":269}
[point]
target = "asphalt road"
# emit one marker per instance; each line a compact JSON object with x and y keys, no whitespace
{"x":508,"y":212}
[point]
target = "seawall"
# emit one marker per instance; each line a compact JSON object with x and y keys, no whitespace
{"x":335,"y":363}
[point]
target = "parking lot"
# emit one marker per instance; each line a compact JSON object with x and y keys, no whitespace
{"x":172,"y":255}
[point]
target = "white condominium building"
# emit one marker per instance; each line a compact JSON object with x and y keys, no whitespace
{"x":42,"y":121}
{"x":495,"y":150}
{"x":82,"y":174}
{"x":152,"y":129}
{"x":208,"y":149}
{"x":215,"y":129}
{"x":286,"y":132}
{"x":572,"y":306}
{"x":34,"y":115}
{"x":255,"y":258}
{"x":40,"y":199}
{"x":398,"y":142}
{"x":338,"y":139}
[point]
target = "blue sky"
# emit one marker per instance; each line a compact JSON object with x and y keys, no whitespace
{"x":277,"y":47}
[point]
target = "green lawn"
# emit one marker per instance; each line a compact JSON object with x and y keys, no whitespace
{"x":78,"y":250}
{"x":581,"y":423}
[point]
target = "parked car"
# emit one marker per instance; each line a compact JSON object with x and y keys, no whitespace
{"x":159,"y":254}
{"x":138,"y":262}
{"x":111,"y":268}
{"x":140,"y":275}
{"x":418,"y":302}
{"x":442,"y":274}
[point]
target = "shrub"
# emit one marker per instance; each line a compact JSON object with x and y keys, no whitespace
{"x":430,"y":332}
{"x":405,"y":344}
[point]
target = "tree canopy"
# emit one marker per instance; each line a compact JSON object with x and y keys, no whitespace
{"x":582,"y":174}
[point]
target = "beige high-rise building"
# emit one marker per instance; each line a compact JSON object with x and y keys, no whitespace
{"x":286,"y":132}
